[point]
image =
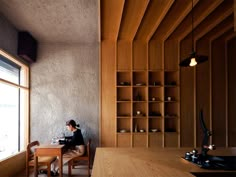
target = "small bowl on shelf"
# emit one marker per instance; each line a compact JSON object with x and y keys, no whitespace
{"x":141,"y":130}
{"x":123,"y":131}
{"x":154,"y":130}
{"x":140,"y":84}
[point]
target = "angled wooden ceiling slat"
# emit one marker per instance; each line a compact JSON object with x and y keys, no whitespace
{"x":200,"y":11}
{"x":131,"y":18}
{"x":111,"y":13}
{"x":223,"y":26}
{"x":134,"y":19}
{"x":234,"y":15}
{"x":154,"y":14}
{"x":220,"y":14}
{"x":179,"y":10}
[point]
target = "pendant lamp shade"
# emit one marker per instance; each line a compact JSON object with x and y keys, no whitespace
{"x":193,"y":58}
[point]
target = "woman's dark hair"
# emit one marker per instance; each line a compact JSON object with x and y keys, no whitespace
{"x":72,"y":123}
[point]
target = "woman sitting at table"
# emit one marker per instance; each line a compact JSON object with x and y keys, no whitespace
{"x":75,"y":146}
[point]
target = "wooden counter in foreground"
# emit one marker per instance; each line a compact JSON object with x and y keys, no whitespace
{"x":151,"y":162}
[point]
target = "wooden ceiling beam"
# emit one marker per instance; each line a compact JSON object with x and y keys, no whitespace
{"x":234,"y":15}
{"x":173,"y":19}
{"x":111,"y":14}
{"x":131,"y":18}
{"x":200,"y":12}
{"x":225,"y":31}
{"x":212,"y":22}
{"x":154,"y":14}
{"x":223,"y":26}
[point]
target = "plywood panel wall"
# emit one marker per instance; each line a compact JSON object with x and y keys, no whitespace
{"x":218,"y":93}
{"x":231,"y":92}
{"x":108,"y":92}
{"x":202,"y":89}
{"x":124,"y":55}
{"x":155,"y":55}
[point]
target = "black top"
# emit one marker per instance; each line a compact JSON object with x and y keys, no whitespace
{"x":76,"y":140}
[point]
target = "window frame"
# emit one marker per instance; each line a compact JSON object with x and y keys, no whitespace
{"x":25,"y":86}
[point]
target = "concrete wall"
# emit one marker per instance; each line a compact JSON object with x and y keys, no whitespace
{"x":8,"y":36}
{"x":65,"y":85}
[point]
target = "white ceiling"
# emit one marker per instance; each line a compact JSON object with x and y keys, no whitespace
{"x":59,"y":21}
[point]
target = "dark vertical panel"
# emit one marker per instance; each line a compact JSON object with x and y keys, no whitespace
{"x":218,"y":93}
{"x":186,"y":98}
{"x":232,"y":92}
{"x":187,"y":108}
{"x":202,"y":89}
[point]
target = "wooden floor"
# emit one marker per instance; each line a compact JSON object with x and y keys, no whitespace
{"x":80,"y":171}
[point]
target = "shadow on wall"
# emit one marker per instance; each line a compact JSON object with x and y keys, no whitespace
{"x":89,"y":134}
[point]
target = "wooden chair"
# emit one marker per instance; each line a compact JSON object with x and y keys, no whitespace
{"x":75,"y":160}
{"x":42,"y":161}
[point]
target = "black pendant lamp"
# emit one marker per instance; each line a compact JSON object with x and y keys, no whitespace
{"x":193,"y":58}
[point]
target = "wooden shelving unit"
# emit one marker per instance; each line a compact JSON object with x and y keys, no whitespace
{"x":147,"y":99}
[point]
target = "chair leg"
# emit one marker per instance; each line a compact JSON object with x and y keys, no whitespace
{"x":88,"y":168}
{"x":69,"y":168}
{"x":27,"y":171}
{"x":49,"y":170}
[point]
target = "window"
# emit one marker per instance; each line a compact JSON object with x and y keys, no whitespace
{"x":14,"y":105}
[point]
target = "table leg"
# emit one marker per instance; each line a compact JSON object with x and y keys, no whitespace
{"x":61,"y":165}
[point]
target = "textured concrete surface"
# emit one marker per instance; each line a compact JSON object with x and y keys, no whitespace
{"x":71,"y":21}
{"x":65,"y":85}
{"x":8,"y":36}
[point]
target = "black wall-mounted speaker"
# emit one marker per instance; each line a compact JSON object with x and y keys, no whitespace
{"x":27,"y":46}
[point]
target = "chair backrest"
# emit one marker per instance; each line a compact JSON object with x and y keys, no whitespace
{"x":88,"y":147}
{"x":85,"y":157}
{"x":30,"y":150}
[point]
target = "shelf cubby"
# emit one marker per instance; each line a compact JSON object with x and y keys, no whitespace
{"x":155,"y":109}
{"x":139,"y":93}
{"x":155,"y":94}
{"x":139,"y":78}
{"x":170,"y":124}
{"x":139,"y":124}
{"x":171,"y":109}
{"x":155,"y":125}
{"x":123,"y":78}
{"x":171,"y":78}
{"x":123,"y":125}
{"x":139,"y":109}
{"x":155,"y":78}
{"x":123,"y":109}
{"x":123,"y":94}
{"x":171,"y":93}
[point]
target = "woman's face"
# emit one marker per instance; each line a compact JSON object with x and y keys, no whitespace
{"x":69,"y":127}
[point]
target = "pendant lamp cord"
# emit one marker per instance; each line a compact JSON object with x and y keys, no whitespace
{"x":192,"y":28}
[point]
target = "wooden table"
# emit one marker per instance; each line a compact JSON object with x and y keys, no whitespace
{"x":151,"y":162}
{"x":48,"y":150}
